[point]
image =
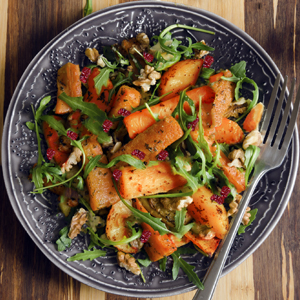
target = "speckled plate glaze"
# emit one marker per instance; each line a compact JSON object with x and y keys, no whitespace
{"x":39,"y":214}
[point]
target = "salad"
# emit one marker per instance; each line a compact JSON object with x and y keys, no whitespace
{"x":148,"y":149}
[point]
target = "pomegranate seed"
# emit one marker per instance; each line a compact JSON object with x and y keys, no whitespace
{"x":217,"y":198}
{"x":84,"y":75}
{"x":72,"y":135}
{"x":117,"y":174}
{"x":107,"y":125}
{"x":139,"y":154}
{"x":145,"y":236}
{"x":124,"y":112}
{"x":148,"y":57}
{"x":193,"y":124}
{"x":50,"y":153}
{"x":163,"y":155}
{"x":225,"y":191}
{"x":208,"y":60}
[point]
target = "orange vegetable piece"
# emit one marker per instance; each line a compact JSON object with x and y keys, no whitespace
{"x":216,"y":77}
{"x":208,"y":212}
{"x":99,"y":181}
{"x":92,"y":96}
{"x":152,"y":180}
{"x":141,"y":120}
{"x":127,"y":98}
{"x":52,"y":139}
{"x":207,"y":246}
{"x":234,"y":175}
{"x":158,"y":246}
{"x":181,"y":75}
{"x":224,"y":95}
{"x":156,"y":138}
{"x":68,"y":82}
{"x":229,"y":132}
{"x":254,"y":117}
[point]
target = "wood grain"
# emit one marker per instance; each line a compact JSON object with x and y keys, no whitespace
{"x":25,"y":273}
{"x":3,"y":35}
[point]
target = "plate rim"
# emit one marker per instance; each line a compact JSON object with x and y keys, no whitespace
{"x":11,"y":112}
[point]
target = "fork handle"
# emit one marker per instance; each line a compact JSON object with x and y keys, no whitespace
{"x":216,"y":267}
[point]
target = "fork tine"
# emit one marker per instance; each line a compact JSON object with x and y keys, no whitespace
{"x":291,"y":126}
{"x":269,"y":111}
{"x":285,"y":116}
{"x":277,"y":114}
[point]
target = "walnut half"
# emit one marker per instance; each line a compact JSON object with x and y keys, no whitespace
{"x":78,"y":220}
{"x":128,"y":262}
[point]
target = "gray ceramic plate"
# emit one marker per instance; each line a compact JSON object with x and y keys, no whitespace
{"x":38,"y":214}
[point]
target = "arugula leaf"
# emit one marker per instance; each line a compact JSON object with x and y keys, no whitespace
{"x":224,"y":148}
{"x":253,"y":213}
{"x":55,"y":124}
{"x":120,"y":80}
{"x":169,"y":195}
{"x":179,"y":167}
{"x":87,"y":206}
{"x":80,"y":184}
{"x":145,"y":262}
{"x":239,"y":69}
{"x":188,"y":270}
{"x":251,"y":154}
{"x":108,"y":63}
{"x":87,"y":254}
{"x":206,"y":73}
{"x":155,"y":223}
{"x":176,"y":266}
{"x":128,"y":158}
{"x":179,"y":222}
{"x":163,"y":263}
{"x":64,"y":241}
{"x":183,"y":250}
{"x":172,"y":47}
{"x":135,"y":235}
{"x":255,"y":93}
{"x":30,"y":125}
{"x":88,"y":9}
{"x":42,"y":107}
{"x":96,"y":116}
{"x":102,"y":79}
{"x":154,"y":116}
{"x":91,"y":165}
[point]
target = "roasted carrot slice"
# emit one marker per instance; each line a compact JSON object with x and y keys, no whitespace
{"x":126,"y":98}
{"x":52,"y":140}
{"x":141,"y":120}
{"x":216,"y":77}
{"x":207,"y":246}
{"x":254,"y":117}
{"x":92,"y":96}
{"x":67,"y":82}
{"x":234,"y":175}
{"x":99,"y":181}
{"x":181,"y":75}
{"x":224,"y":95}
{"x":229,"y":132}
{"x":152,"y":180}
{"x":208,"y":212}
{"x":158,"y":246}
{"x":156,"y":138}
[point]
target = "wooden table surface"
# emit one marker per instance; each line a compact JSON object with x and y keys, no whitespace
{"x":25,"y":273}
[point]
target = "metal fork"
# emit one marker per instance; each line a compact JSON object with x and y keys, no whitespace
{"x":277,"y":135}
